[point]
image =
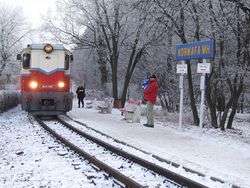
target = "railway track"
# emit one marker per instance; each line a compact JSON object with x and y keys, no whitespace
{"x":128,"y":169}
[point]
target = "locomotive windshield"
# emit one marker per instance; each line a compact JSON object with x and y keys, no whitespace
{"x":26,"y":61}
{"x":66,"y":62}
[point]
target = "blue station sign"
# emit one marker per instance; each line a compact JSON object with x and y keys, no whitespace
{"x":204,"y":49}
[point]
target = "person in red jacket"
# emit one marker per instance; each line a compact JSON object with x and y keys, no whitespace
{"x":150,"y":95}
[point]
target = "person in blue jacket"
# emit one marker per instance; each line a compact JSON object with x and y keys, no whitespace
{"x":145,"y":83}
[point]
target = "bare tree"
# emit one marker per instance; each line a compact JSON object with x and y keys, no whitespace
{"x":222,"y":20}
{"x":12,"y":31}
{"x":128,"y":35}
{"x":227,"y":81}
{"x":113,"y":27}
{"x":174,"y":12}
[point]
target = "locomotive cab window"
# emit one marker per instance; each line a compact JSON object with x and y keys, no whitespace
{"x":66,"y":62}
{"x":26,"y":61}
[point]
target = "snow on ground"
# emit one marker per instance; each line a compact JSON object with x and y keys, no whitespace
{"x":29,"y":157}
{"x":124,"y":166}
{"x":212,"y":152}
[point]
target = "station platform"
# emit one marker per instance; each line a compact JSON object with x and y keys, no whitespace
{"x":206,"y":151}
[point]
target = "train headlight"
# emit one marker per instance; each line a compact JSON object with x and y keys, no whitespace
{"x":33,"y":84}
{"x":48,"y":48}
{"x":61,"y":84}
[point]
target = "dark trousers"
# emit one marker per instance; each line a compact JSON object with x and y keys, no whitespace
{"x":80,"y":101}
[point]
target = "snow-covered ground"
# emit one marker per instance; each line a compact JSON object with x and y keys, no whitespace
{"x":29,"y":157}
{"x":212,"y":152}
{"x":132,"y":170}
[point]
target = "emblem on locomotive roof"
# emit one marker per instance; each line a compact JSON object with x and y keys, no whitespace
{"x":48,"y":48}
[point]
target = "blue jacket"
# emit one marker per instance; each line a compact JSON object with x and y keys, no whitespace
{"x":145,"y":84}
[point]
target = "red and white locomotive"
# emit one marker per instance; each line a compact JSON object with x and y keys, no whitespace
{"x":45,"y":79}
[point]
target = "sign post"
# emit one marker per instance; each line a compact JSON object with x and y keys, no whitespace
{"x":202,"y":88}
{"x":181,"y":69}
{"x":204,"y":50}
{"x":202,"y":68}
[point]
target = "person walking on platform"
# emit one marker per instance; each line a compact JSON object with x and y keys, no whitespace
{"x":150,"y":94}
{"x":80,"y":95}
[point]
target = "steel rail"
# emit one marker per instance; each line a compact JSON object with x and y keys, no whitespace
{"x":128,"y":182}
{"x":186,"y":182}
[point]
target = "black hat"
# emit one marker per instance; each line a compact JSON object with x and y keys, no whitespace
{"x":153,"y":76}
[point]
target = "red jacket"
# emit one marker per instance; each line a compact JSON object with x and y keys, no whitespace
{"x":150,"y":93}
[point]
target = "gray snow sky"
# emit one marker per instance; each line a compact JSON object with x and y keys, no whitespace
{"x":33,"y":11}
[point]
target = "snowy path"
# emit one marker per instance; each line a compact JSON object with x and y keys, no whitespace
{"x":211,"y":154}
{"x":29,"y":157}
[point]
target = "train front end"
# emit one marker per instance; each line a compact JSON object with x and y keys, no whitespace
{"x":45,"y":79}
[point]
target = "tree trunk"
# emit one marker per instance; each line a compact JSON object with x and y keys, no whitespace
{"x":104,"y":74}
{"x":114,"y":81}
{"x":225,"y":113}
{"x":231,"y":117}
{"x":191,"y":95}
{"x":163,"y":106}
{"x":130,"y":70}
{"x":125,"y":90}
{"x":189,"y":73}
{"x":211,"y":102}
{"x":101,"y":53}
{"x":166,"y":103}
{"x":237,"y":93}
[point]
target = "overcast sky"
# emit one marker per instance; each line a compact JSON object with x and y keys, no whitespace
{"x":33,"y":11}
